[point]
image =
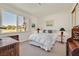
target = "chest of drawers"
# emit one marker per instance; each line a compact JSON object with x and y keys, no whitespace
{"x":9,"y":47}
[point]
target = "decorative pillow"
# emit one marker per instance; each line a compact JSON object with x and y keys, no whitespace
{"x":44,"y":31}
{"x":49,"y":31}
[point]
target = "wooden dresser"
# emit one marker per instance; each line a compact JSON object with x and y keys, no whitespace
{"x":73,"y":43}
{"x":9,"y":47}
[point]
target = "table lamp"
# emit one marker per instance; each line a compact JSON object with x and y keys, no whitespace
{"x":38,"y":30}
{"x":62,"y":30}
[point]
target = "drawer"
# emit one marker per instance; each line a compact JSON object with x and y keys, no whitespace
{"x":10,"y":50}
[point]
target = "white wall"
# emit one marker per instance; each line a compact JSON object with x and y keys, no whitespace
{"x":61,"y":19}
{"x":33,"y":20}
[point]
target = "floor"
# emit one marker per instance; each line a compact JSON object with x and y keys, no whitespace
{"x":29,"y":50}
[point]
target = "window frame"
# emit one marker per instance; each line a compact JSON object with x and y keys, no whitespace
{"x":1,"y":18}
{"x":18,"y":23}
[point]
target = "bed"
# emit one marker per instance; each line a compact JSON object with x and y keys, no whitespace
{"x":43,"y":40}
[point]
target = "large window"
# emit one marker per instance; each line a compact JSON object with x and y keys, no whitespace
{"x":12,"y":22}
{"x":9,"y":22}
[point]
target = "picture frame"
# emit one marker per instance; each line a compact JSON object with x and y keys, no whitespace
{"x":49,"y":23}
{"x":33,"y":25}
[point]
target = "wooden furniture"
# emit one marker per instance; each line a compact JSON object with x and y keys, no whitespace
{"x":16,"y":37}
{"x":73,"y":43}
{"x":72,"y":47}
{"x":9,"y":47}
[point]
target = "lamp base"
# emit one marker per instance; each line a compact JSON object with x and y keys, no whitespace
{"x":61,"y":36}
{"x":0,"y":39}
{"x":62,"y":42}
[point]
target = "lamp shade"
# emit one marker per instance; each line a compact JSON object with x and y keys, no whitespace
{"x":62,"y":29}
{"x":38,"y":29}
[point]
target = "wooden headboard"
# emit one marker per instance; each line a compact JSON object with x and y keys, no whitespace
{"x":16,"y":37}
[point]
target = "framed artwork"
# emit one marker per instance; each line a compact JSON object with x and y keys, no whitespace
{"x":33,"y":25}
{"x":49,"y":23}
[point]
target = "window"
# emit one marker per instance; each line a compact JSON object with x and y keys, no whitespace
{"x":9,"y":22}
{"x":21,"y":24}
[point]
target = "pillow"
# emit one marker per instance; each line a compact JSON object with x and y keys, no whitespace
{"x":49,"y":31}
{"x":44,"y":31}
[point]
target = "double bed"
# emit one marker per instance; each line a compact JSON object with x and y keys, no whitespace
{"x":43,"y":40}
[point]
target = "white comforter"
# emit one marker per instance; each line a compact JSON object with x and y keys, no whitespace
{"x":45,"y":41}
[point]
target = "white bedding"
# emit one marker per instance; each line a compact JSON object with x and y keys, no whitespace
{"x":45,"y":41}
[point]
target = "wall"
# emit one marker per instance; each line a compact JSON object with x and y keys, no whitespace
{"x":33,"y":20}
{"x":61,"y":19}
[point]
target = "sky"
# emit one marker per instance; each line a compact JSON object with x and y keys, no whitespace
{"x":10,"y":19}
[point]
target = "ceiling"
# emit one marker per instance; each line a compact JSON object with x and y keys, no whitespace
{"x":44,"y":9}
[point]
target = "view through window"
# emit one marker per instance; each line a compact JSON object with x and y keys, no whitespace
{"x":11,"y":23}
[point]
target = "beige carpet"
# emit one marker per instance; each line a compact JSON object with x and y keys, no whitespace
{"x":28,"y":50}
